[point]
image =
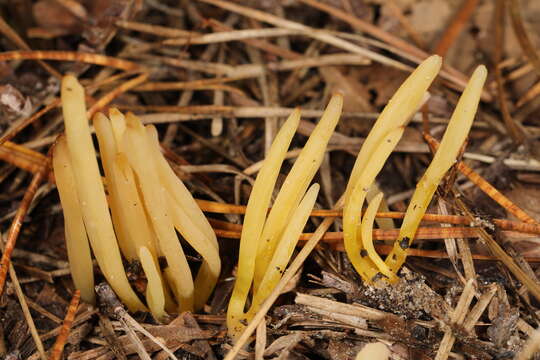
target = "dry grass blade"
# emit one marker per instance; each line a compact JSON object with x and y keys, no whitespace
{"x":88,"y":58}
{"x":58,"y":347}
{"x":316,"y":34}
{"x":418,"y":54}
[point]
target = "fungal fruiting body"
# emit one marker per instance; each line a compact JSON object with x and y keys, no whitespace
{"x":148,"y":204}
{"x":453,"y":139}
{"x":378,"y":145}
{"x":268,"y":241}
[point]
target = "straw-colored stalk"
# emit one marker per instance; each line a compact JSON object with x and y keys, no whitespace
{"x":267,"y":243}
{"x":451,"y":143}
{"x":91,"y":193}
{"x":377,"y":147}
{"x":148,"y":204}
{"x":295,"y":186}
{"x":78,"y":249}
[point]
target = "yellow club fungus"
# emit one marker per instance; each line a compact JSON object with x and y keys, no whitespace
{"x":453,"y":139}
{"x":267,"y":242}
{"x":148,"y":204}
{"x":377,"y":147}
{"x":78,"y":249}
{"x":92,"y":200}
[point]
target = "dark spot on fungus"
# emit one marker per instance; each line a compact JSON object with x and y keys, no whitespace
{"x":377,"y":277}
{"x":394,"y":257}
{"x":363,"y":253}
{"x":404,"y":243}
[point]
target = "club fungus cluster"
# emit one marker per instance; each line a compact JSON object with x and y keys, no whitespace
{"x":148,"y":203}
{"x":383,"y":137}
{"x":144,"y":205}
{"x":268,"y":238}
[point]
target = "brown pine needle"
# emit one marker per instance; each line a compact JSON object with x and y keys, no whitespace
{"x":114,"y":93}
{"x":456,"y":27}
{"x":61,"y":339}
{"x":17,"y":40}
{"x":16,"y":224}
{"x":10,"y":134}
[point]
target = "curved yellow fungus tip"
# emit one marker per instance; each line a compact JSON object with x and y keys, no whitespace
{"x":267,"y":242}
{"x":451,"y":143}
{"x":376,"y":149}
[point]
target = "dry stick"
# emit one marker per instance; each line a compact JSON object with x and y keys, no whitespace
{"x":155,"y":29}
{"x":83,"y":57}
{"x":486,"y":187}
{"x":15,"y":227}
{"x":11,"y":133}
{"x":521,"y":34}
{"x":114,"y":93}
{"x":457,"y":317}
{"x":258,"y":43}
{"x":14,"y":37}
{"x":419,"y":55}
{"x":456,"y":27}
{"x":24,"y":306}
{"x":234,"y":35}
{"x":61,"y":339}
{"x":499,"y":252}
{"x":515,"y":132}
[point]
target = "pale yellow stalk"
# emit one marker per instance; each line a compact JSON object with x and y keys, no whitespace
{"x":177,"y":190}
{"x":91,"y":194}
{"x":453,"y":138}
{"x":257,"y":207}
{"x":399,"y":110}
{"x":366,"y":232}
{"x":155,"y":296}
{"x":139,"y":154}
{"x":139,"y":229}
{"x":118,"y":124}
{"x":78,"y":249}
{"x":353,"y":206}
{"x":284,"y":251}
{"x":107,"y":150}
{"x":295,"y":185}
